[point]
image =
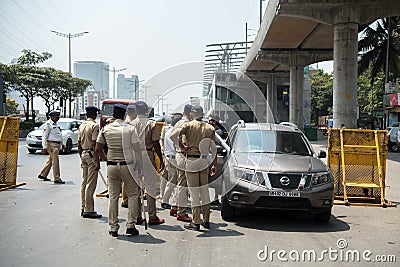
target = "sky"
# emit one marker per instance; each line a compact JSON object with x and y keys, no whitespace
{"x":145,"y":37}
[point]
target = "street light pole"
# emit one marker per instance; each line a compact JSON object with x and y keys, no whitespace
{"x":69,"y":36}
{"x":114,"y":71}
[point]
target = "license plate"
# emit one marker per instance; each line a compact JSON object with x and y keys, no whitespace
{"x":284,"y":194}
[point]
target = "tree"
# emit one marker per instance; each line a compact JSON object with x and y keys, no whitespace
{"x":373,"y":48}
{"x":11,"y":106}
{"x":321,"y":95}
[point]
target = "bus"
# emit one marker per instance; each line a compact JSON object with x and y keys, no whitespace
{"x":107,"y":107}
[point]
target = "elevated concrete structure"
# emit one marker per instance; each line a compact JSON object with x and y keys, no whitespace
{"x":296,"y":33}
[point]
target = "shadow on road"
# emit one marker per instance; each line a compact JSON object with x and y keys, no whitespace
{"x":216,"y":231}
{"x":288,"y":222}
{"x":146,"y":238}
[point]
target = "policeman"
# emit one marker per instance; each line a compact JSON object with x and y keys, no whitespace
{"x":197,"y":139}
{"x":87,"y":135}
{"x":122,"y":156}
{"x":52,"y":143}
{"x":180,"y":211}
{"x":149,"y":140}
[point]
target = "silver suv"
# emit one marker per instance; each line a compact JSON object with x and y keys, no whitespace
{"x":270,"y":166}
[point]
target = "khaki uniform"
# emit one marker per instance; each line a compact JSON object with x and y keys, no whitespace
{"x":120,"y":138}
{"x":52,"y":141}
{"x":182,"y":191}
{"x":148,"y":132}
{"x":88,"y":132}
{"x":200,"y":138}
{"x":165,"y":172}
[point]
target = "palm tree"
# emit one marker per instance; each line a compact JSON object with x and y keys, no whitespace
{"x":373,"y":47}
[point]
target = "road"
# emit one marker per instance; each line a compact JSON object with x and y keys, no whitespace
{"x":41,"y":226}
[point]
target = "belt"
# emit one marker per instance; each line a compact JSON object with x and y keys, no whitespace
{"x":86,"y":150}
{"x":196,"y":156}
{"x":149,"y":149}
{"x":120,"y":162}
{"x":53,"y":142}
{"x":171,"y":156}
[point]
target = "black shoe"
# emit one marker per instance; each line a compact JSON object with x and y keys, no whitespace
{"x":206,"y":225}
{"x":132,"y":231}
{"x":113,"y":233}
{"x":124,"y":205}
{"x":81,"y":212}
{"x":165,"y":206}
{"x":59,"y":182}
{"x":215,"y":203}
{"x":192,"y":226}
{"x":43,"y":178}
{"x":91,"y":215}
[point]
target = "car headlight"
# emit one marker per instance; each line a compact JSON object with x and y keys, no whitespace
{"x":29,"y":135}
{"x":320,"y":178}
{"x":245,"y":174}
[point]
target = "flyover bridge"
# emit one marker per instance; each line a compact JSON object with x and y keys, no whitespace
{"x":296,"y":33}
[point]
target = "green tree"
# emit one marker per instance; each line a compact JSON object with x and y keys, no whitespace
{"x":321,"y":95}
{"x":373,"y":48}
{"x":11,"y":106}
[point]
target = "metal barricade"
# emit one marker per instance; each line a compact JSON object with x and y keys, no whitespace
{"x":9,"y":130}
{"x":357,"y":160}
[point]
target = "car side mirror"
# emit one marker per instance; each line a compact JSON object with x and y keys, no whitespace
{"x":74,"y":129}
{"x":36,"y":128}
{"x":221,"y":151}
{"x":322,"y":154}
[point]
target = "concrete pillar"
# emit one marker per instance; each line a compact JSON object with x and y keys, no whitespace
{"x":269,"y":97}
{"x":296,"y":95}
{"x":274,"y":100}
{"x":345,"y":75}
{"x":307,"y":99}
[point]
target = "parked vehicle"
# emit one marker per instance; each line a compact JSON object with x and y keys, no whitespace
{"x":269,"y":166}
{"x":324,"y":123}
{"x":290,"y":125}
{"x":393,"y":135}
{"x":69,"y":130}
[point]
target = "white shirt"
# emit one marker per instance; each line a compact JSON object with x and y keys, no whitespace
{"x":168,"y":144}
{"x":51,"y":132}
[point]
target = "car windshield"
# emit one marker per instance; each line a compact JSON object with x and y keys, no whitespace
{"x":266,"y":141}
{"x":107,"y":109}
{"x":64,"y":125}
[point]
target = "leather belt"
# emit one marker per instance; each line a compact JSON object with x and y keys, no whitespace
{"x":196,"y":156}
{"x":120,"y":162}
{"x":54,"y":142}
{"x":149,"y":149}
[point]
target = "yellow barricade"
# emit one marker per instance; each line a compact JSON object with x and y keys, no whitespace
{"x":9,"y":130}
{"x":357,"y":160}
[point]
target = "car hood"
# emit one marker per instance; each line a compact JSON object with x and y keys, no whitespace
{"x":278,"y":162}
{"x":36,"y":133}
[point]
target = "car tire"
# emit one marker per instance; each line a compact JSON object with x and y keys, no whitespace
{"x":68,"y":146}
{"x":32,"y":151}
{"x":394,"y":147}
{"x":228,"y":212}
{"x":323,"y":217}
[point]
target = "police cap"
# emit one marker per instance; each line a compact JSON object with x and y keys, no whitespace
{"x":187,"y":108}
{"x":54,"y":113}
{"x":92,"y":109}
{"x":197,"y":109}
{"x":120,"y":107}
{"x":141,"y":107}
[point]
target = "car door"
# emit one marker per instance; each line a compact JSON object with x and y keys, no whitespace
{"x":74,"y":130}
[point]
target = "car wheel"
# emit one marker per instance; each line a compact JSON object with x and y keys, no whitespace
{"x":394,"y":147}
{"x":68,"y":146}
{"x":32,"y":151}
{"x":323,"y":217}
{"x":228,"y":212}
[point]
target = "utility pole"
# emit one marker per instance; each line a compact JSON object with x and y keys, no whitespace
{"x":114,"y":71}
{"x":69,"y":36}
{"x":145,"y":91}
{"x":168,"y":107}
{"x":158,"y":103}
{"x":261,"y":11}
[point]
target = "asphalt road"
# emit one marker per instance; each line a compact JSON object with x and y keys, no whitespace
{"x":41,"y":226}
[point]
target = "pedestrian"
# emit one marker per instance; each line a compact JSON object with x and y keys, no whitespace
{"x":219,"y":128}
{"x":149,"y":140}
{"x":52,"y":143}
{"x":197,"y":139}
{"x":87,"y":135}
{"x":182,"y":193}
{"x":170,"y":168}
{"x":124,"y":159}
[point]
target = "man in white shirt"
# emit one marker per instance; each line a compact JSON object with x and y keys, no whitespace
{"x":52,"y":143}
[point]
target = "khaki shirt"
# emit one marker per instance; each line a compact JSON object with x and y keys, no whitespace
{"x":51,"y":132}
{"x":120,"y":138}
{"x":88,"y":132}
{"x":177,"y":129}
{"x":147,"y":131}
{"x":194,"y":132}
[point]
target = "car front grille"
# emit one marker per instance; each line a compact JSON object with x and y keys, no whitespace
{"x":294,"y":180}
{"x":283,"y":203}
{"x":39,"y":137}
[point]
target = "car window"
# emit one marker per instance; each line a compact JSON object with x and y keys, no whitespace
{"x":266,"y":141}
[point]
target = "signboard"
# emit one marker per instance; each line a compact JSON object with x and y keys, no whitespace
{"x":394,"y":99}
{"x":390,"y":88}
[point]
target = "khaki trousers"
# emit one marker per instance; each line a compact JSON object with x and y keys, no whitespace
{"x":89,"y":181}
{"x":198,"y":189}
{"x":115,"y":175}
{"x":182,"y":190}
{"x":53,"y":149}
{"x":172,"y":181}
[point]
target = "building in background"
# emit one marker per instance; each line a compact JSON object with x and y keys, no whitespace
{"x":98,"y":73}
{"x":128,"y":88}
